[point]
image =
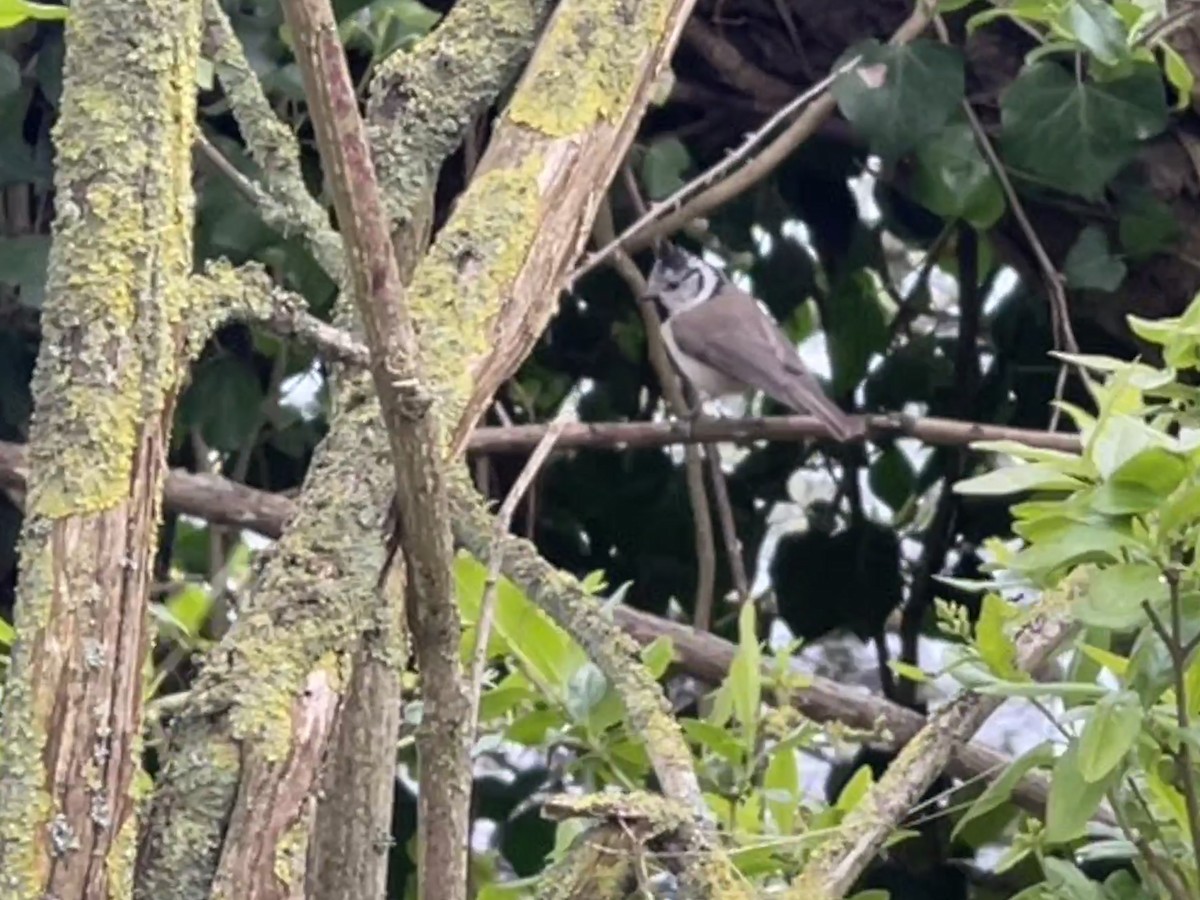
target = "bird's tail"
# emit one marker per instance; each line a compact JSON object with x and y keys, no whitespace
{"x":807,"y":396}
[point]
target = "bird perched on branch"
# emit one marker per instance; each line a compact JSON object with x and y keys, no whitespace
{"x":724,"y":343}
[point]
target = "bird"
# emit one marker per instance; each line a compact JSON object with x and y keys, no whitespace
{"x":724,"y":343}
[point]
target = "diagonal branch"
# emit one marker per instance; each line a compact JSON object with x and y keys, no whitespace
{"x":422,"y":512}
{"x":838,"y":863}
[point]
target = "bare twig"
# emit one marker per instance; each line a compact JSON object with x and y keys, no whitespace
{"x":487,"y":603}
{"x":940,"y":533}
{"x":422,"y":509}
{"x":740,"y":72}
{"x":706,"y":561}
{"x":733,"y":544}
{"x":670,"y":215}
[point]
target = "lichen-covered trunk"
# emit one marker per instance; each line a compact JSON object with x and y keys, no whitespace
{"x":222,"y":795}
{"x":107,"y":373}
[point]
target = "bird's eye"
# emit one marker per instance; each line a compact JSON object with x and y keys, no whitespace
{"x":672,"y":284}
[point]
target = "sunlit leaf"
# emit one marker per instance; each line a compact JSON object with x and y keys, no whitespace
{"x":1111,"y":730}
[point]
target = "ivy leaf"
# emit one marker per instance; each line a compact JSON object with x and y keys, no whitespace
{"x":1090,"y":264}
{"x":1077,"y":135}
{"x":953,"y":179}
{"x":1097,"y":27}
{"x":892,"y":477}
{"x":1146,"y":225}
{"x":663,"y":166}
{"x":1111,"y":730}
{"x":899,"y":96}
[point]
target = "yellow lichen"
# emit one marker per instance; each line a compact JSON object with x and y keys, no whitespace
{"x":588,"y":65}
{"x":476,"y":259}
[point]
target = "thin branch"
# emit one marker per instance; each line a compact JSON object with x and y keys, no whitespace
{"x":1055,"y":284}
{"x":422,"y":509}
{"x":712,"y":188}
{"x":706,"y":559}
{"x":620,"y":435}
{"x":272,"y":145}
{"x":733,"y":544}
{"x":487,"y":603}
{"x":940,"y":534}
{"x":738,"y":71}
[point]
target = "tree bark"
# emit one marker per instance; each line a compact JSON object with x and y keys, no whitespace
{"x":108,"y":370}
{"x":318,"y":591}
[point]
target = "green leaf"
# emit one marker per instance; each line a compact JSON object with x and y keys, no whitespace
{"x":915,"y":674}
{"x":1074,"y":135}
{"x":998,"y":791}
{"x":663,"y":167}
{"x":1073,"y":800}
{"x":855,"y":329}
{"x":1114,"y":662}
{"x":855,"y":789}
{"x":898,"y":96}
{"x":994,"y":646}
{"x":1067,"y":463}
{"x":892,"y":478}
{"x":1066,"y":882}
{"x":1017,"y":479}
{"x":14,"y":12}
{"x":745,"y":675}
{"x":1089,"y":264}
{"x":719,"y":740}
{"x":190,"y":608}
{"x":1157,"y":470}
{"x":1096,"y":25}
{"x":1114,"y":596}
{"x":952,"y":179}
{"x":1146,"y":225}
{"x":585,"y":689}
{"x":658,"y":655}
{"x":23,"y":263}
{"x":872,"y":894}
{"x":1111,"y":730}
{"x":1120,"y":439}
{"x":1071,"y":542}
{"x":781,"y":782}
{"x":1178,"y":73}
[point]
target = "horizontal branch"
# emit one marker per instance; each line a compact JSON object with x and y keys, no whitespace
{"x":619,"y":435}
{"x":704,"y":656}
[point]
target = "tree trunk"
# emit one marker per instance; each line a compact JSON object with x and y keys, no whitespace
{"x":104,"y":390}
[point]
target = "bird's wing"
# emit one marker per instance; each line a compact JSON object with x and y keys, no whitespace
{"x":730,"y":333}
